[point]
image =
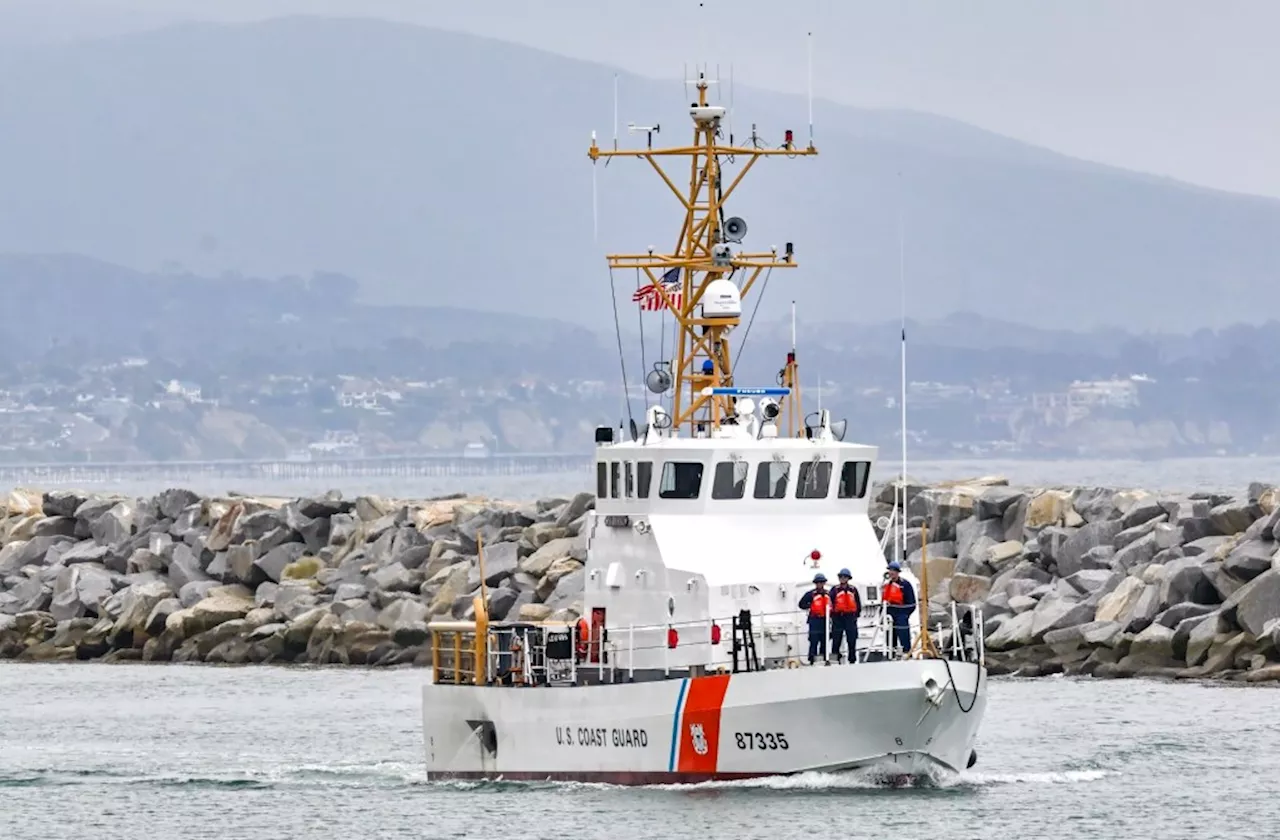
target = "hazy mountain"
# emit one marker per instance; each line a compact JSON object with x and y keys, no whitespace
{"x":450,"y":170}
{"x":25,"y":22}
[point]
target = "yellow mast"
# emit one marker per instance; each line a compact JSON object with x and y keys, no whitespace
{"x":924,"y":647}
{"x":695,"y":255}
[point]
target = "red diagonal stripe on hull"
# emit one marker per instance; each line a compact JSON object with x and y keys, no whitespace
{"x":700,"y":725}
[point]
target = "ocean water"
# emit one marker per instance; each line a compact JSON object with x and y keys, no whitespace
{"x":139,"y":751}
{"x":1176,"y":475}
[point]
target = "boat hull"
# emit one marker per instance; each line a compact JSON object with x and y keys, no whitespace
{"x":875,"y":716}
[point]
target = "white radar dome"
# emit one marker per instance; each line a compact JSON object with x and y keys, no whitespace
{"x":721,"y":300}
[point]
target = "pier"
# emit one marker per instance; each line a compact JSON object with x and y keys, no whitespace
{"x":393,"y":466}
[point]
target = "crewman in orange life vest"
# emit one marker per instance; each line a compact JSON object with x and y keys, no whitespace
{"x":846,"y":606}
{"x":817,"y":602}
{"x":900,"y":598}
{"x":583,"y":635}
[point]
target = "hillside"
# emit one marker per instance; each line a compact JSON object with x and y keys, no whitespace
{"x":106,"y":363}
{"x":451,"y":170}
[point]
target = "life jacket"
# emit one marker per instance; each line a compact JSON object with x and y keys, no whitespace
{"x":846,"y":600}
{"x":819,"y":605}
{"x":893,"y":593}
{"x":584,"y":636}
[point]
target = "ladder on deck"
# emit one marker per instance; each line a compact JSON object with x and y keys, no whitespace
{"x":744,"y":643}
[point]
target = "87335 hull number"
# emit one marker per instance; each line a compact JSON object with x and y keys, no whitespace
{"x":761,"y":741}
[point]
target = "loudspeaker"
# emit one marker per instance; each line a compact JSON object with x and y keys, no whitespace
{"x":658,"y":381}
{"x":734,"y":229}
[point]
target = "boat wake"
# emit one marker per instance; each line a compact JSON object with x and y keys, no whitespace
{"x":873,"y":779}
{"x":400,"y":774}
{"x":815,"y":782}
{"x":380,"y":774}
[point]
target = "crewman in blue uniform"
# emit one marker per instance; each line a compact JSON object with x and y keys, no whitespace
{"x":817,"y":602}
{"x":846,"y":606}
{"x":900,"y":598}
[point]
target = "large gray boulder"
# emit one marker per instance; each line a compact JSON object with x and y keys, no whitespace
{"x":993,"y":502}
{"x":500,"y":562}
{"x":1185,"y":581}
{"x":1137,"y":554}
{"x":1055,"y":613}
{"x":138,"y":604}
{"x":1093,"y":633}
{"x":1092,"y":535}
{"x":30,"y":595}
{"x":184,"y":567}
{"x":973,"y":537}
{"x":81,"y":590}
{"x":1246,"y":561}
{"x":270,"y":566}
{"x":1234,"y":517}
{"x":1142,"y":511}
{"x":1144,"y":610}
{"x":1137,"y":532}
{"x":1255,"y":604}
{"x":1012,"y":633}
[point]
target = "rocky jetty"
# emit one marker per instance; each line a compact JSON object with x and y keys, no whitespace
{"x":1082,"y":580}
{"x":1112,"y":583}
{"x":323,"y":580}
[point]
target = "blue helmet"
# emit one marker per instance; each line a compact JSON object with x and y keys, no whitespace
{"x":895,"y":566}
{"x":819,"y":578}
{"x":844,"y":573}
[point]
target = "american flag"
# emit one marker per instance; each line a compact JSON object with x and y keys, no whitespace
{"x":650,"y":299}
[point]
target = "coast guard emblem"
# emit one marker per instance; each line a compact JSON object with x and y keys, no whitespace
{"x":699,"y":739}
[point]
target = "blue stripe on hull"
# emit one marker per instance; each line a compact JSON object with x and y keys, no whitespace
{"x":675,"y":725}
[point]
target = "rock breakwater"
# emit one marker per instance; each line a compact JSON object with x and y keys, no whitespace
{"x":1112,"y":583}
{"x":236,"y":580}
{"x":1083,"y":580}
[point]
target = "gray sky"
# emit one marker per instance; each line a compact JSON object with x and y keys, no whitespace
{"x":1182,"y":88}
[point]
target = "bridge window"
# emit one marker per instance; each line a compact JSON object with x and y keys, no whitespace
{"x":602,"y":480}
{"x":630,"y":482}
{"x":730,"y":480}
{"x":680,"y":480}
{"x":853,"y":479}
{"x":644,"y":475}
{"x":771,"y":479}
{"x":814,"y":480}
{"x":615,"y":475}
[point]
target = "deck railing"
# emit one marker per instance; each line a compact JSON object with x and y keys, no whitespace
{"x":516,"y":653}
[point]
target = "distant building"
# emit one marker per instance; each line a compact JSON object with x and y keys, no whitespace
{"x":188,"y":391}
{"x":1116,"y":393}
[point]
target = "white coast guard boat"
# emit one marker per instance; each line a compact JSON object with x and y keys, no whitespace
{"x":691,"y":662}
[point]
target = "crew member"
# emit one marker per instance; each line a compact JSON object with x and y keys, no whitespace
{"x":846,"y":606}
{"x":900,"y":598}
{"x":583,"y":639}
{"x":817,"y":602}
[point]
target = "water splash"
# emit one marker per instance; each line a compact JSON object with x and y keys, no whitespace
{"x":812,"y":782}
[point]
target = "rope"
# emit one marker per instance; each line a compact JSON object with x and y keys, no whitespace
{"x":952,"y":680}
{"x":622,"y":359}
{"x":747,"y":333}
